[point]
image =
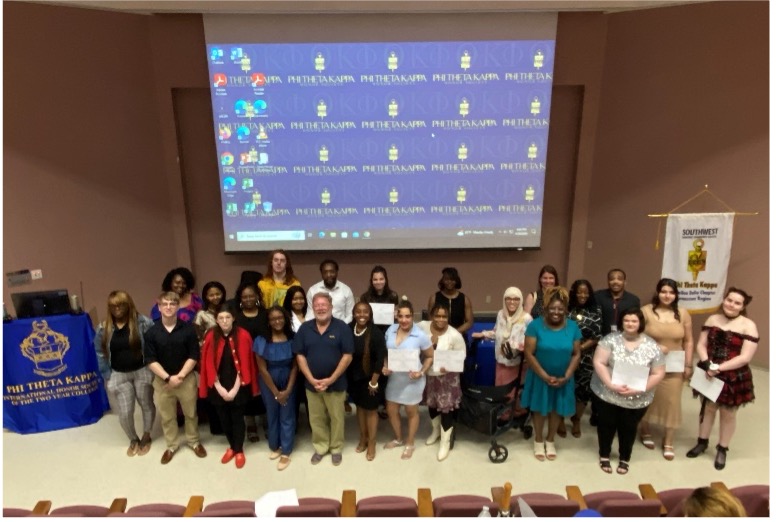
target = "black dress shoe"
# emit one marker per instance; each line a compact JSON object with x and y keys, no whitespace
{"x":699,"y":448}
{"x":719,"y":460}
{"x":593,"y":419}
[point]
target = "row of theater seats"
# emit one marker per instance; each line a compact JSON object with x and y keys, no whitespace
{"x":648,"y":503}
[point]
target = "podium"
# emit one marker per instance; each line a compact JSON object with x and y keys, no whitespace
{"x":51,"y":380}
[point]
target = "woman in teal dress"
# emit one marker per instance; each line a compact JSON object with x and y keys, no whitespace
{"x":552,"y":352}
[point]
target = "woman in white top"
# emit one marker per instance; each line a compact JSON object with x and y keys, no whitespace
{"x":509,"y":335}
{"x":295,"y":303}
{"x":443,"y":389}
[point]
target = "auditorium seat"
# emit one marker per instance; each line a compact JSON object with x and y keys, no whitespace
{"x":229,"y":508}
{"x":542,"y":504}
{"x":672,"y":499}
{"x":311,"y":507}
{"x":387,"y":506}
{"x":618,"y":503}
{"x":119,"y":505}
{"x":462,"y":506}
{"x":42,"y":507}
{"x":755,"y":498}
{"x":168,"y":510}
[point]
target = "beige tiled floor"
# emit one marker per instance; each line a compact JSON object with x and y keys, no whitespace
{"x":89,"y":465}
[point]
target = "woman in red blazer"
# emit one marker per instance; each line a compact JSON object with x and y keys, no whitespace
{"x":228,"y":378}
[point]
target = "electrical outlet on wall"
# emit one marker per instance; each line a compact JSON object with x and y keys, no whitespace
{"x":36,"y":274}
{"x":487,"y":299}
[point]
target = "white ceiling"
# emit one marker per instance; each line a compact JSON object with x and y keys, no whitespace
{"x":365,"y":6}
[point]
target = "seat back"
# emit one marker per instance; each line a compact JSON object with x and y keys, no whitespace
{"x":755,"y":499}
{"x":462,"y":506}
{"x":80,"y":511}
{"x":594,"y":500}
{"x":169,"y":510}
{"x":673,"y":500}
{"x":630,"y":508}
{"x":387,"y":506}
{"x":311,"y":507}
{"x":229,"y":508}
{"x":16,"y":512}
{"x":545,"y":505}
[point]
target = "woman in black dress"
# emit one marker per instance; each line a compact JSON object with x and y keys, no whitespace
{"x":585,"y":311}
{"x":458,"y":305}
{"x":252,"y":316}
{"x":365,"y":380}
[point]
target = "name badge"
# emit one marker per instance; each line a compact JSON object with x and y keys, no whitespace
{"x":332,"y":336}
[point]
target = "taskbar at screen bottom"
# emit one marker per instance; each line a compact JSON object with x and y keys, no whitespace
{"x":390,"y":239}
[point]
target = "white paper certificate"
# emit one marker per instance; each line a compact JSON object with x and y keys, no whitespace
{"x":382,"y":313}
{"x":268,"y":504}
{"x":404,"y":360}
{"x":710,"y":388}
{"x":450,"y":360}
{"x":634,"y":376}
{"x":675,"y":361}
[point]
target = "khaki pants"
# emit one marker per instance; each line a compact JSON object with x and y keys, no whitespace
{"x":166,"y":404}
{"x":327,"y":421}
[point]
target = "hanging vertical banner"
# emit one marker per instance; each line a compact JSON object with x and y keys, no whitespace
{"x":696,"y":256}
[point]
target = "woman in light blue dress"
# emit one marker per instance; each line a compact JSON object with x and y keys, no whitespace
{"x":406,"y":388}
{"x":552,"y":350}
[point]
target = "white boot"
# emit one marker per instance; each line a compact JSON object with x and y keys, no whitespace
{"x":444,"y":444}
{"x":436,"y":426}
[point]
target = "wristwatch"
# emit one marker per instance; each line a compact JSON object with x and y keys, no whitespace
{"x":167,"y":379}
{"x":713,"y":367}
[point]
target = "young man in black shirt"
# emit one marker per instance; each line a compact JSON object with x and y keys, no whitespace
{"x":172,"y":351}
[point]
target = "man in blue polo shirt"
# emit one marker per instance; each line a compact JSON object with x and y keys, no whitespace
{"x":324,"y":349}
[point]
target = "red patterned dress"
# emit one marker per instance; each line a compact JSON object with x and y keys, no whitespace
{"x":723,"y":345}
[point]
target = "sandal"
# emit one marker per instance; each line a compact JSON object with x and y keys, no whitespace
{"x":668,"y":452}
{"x":395,"y":443}
{"x":646,"y":440}
{"x":133,"y":448}
{"x":407,"y":453}
{"x":606,"y":464}
{"x":539,"y":451}
{"x":145,"y":446}
{"x":551,"y":454}
{"x":622,"y":468}
{"x":361,"y":448}
{"x":253,"y":433}
{"x":576,"y":427}
{"x":370,"y":450}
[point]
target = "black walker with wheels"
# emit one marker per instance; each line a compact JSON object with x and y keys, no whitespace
{"x":483,"y":406}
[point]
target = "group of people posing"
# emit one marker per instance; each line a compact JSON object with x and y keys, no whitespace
{"x":276,"y":345}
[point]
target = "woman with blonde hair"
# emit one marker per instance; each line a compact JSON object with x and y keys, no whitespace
{"x":119,"y":342}
{"x":711,"y":502}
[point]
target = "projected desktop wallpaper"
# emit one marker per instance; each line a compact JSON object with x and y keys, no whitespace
{"x":409,"y":145}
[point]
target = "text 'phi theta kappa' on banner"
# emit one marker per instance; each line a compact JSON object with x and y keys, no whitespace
{"x":696,"y":256}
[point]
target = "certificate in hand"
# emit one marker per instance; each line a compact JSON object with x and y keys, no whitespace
{"x":709,"y":388}
{"x":450,"y":360}
{"x":634,"y":376}
{"x":404,"y":360}
{"x":675,"y":361}
{"x":382,"y":313}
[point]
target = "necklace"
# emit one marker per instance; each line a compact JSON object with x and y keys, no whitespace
{"x":355,"y":331}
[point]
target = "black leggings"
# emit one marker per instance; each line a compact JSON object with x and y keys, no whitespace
{"x":448,"y":419}
{"x":622,"y":421}
{"x":233,"y":423}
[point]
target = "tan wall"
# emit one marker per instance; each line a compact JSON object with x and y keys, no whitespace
{"x":82,"y":197}
{"x":648,"y":106}
{"x":684,"y":104}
